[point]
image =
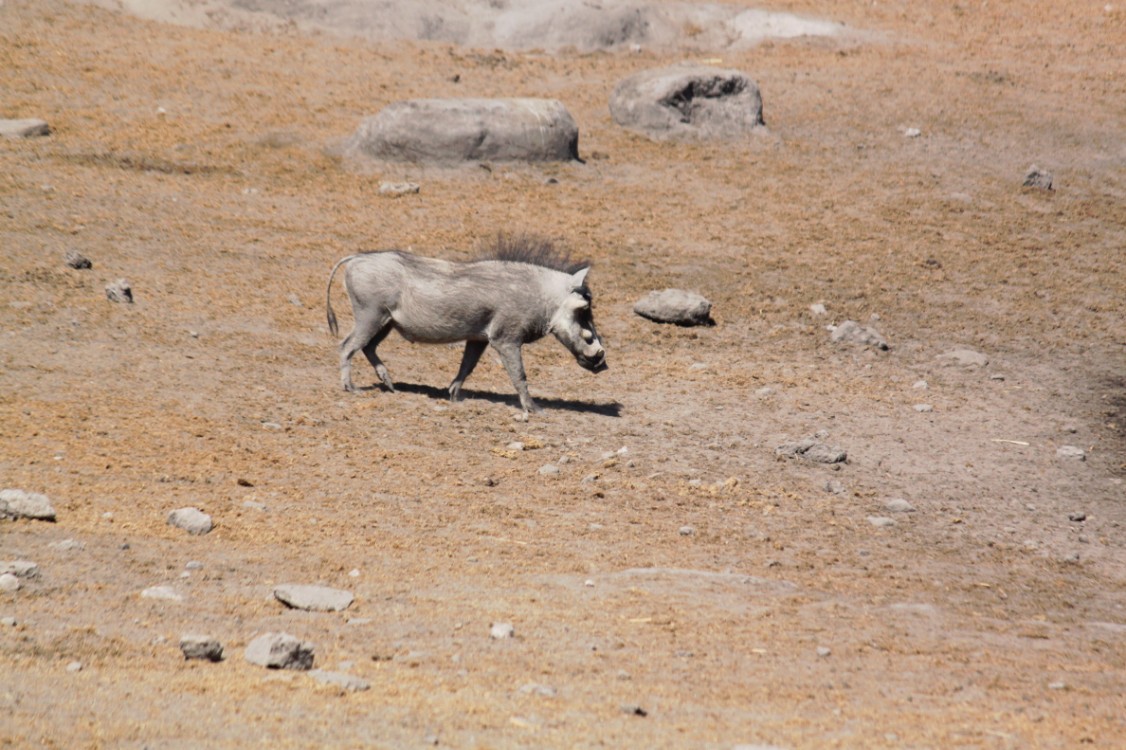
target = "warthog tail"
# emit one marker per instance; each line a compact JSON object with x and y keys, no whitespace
{"x":328,"y":296}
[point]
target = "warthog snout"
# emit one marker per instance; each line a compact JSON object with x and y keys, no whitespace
{"x":595,"y":364}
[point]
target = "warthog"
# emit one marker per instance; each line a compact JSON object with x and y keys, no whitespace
{"x":515,"y":298}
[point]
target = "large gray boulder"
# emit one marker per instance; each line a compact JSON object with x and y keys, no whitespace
{"x":688,"y":102}
{"x":450,"y":131}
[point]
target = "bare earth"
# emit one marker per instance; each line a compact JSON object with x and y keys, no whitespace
{"x":675,"y":584}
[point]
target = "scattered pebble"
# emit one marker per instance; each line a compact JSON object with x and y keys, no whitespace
{"x":8,"y":622}
{"x":192,"y":520}
{"x":502,"y":630}
{"x":824,"y":651}
{"x":881,"y":522}
{"x":851,"y":332}
{"x":1077,"y":517}
{"x":818,"y":309}
{"x":280,"y":651}
{"x":687,"y":530}
{"x":120,"y":291}
{"x":20,"y":504}
{"x":67,"y":544}
{"x":194,"y":565}
{"x":548,"y":470}
{"x":912,"y":132}
{"x":921,"y":385}
{"x":1057,"y":686}
{"x":201,"y":647}
{"x":923,"y":408}
{"x":1071,"y":452}
{"x":833,"y":487}
{"x":354,"y":573}
{"x":313,"y":598}
{"x":588,"y":583}
{"x":74,"y":666}
{"x":634,"y":710}
{"x":9,"y":583}
{"x":345,"y":682}
{"x":899,"y":505}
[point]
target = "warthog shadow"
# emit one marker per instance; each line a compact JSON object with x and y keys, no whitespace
{"x":613,"y":409}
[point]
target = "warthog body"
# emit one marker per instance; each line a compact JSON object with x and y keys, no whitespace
{"x":506,"y":302}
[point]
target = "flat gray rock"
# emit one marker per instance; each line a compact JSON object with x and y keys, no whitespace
{"x":452,"y":131}
{"x":675,"y":306}
{"x":9,"y":583}
{"x":700,"y":102}
{"x":814,"y":450}
{"x":201,"y":647}
{"x":340,"y":680}
{"x":24,"y":128}
{"x":280,"y":651}
{"x":164,"y":593}
{"x":851,"y":332}
{"x":313,"y":598}
{"x":192,"y":520}
{"x":963,"y":357}
{"x":19,"y":568}
{"x":20,"y":504}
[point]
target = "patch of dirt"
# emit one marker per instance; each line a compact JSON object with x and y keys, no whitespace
{"x":675,"y":593}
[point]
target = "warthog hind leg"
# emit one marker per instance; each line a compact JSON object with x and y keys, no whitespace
{"x":473,"y":352}
{"x":366,"y":336}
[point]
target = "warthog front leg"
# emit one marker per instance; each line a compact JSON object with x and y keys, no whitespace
{"x":473,"y":352}
{"x":514,"y":364}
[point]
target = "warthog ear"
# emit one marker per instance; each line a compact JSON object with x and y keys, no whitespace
{"x":578,"y":278}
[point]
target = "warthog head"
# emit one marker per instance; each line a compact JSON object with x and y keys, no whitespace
{"x":573,"y":325}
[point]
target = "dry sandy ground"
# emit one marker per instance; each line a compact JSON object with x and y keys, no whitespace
{"x":194,"y":163}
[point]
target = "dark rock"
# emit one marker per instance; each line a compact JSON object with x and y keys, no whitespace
{"x":693,"y":102}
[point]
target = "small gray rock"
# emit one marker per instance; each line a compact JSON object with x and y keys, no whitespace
{"x":824,"y":651}
{"x":675,"y":306}
{"x":164,"y":593}
{"x":120,"y":291}
{"x":77,"y":260}
{"x":9,"y":584}
{"x":814,"y":450}
{"x":881,"y":522}
{"x":851,"y":332}
{"x":8,"y":622}
{"x":340,"y":680}
{"x":924,"y":408}
{"x":201,"y":647}
{"x":1071,"y":452}
{"x":534,"y":688}
{"x":396,"y":189}
{"x":548,"y":470}
{"x":67,"y":544}
{"x":280,"y":651}
{"x":899,"y":505}
{"x":1038,"y":178}
{"x":20,"y":504}
{"x":833,"y":487}
{"x":192,"y":520}
{"x":20,"y":568}
{"x":74,"y":666}
{"x":313,"y":598}
{"x":502,"y":630}
{"x":687,"y":530}
{"x":24,"y":128}
{"x":963,"y":357}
